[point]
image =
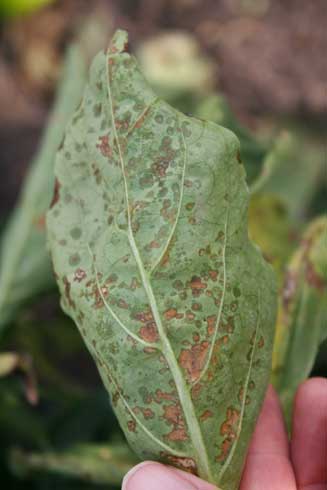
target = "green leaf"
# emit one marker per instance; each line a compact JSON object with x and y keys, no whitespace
{"x":301,"y":324}
{"x":299,"y":165}
{"x":102,"y":464}
{"x":271,"y":228}
{"x":25,"y":267}
{"x":19,"y":7}
{"x":148,"y":234}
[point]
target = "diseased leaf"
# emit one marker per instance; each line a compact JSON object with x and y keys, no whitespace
{"x":102,"y":464}
{"x":185,"y":77}
{"x":148,"y":234}
{"x":301,"y":323}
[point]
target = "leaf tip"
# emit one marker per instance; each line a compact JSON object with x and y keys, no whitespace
{"x":119,"y":42}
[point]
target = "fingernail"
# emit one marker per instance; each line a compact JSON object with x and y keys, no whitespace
{"x":154,"y":476}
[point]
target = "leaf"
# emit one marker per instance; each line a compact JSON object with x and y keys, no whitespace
{"x":19,"y":7}
{"x":299,"y":165}
{"x":174,"y":302}
{"x":25,"y":267}
{"x":184,"y":76}
{"x":102,"y":464}
{"x":301,"y":323}
{"x":271,"y":228}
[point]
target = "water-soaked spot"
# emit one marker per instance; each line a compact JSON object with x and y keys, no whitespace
{"x":233,"y":306}
{"x":186,"y":129}
{"x":55,"y":197}
{"x":261,"y":342}
{"x":236,"y":292}
{"x":97,"y":109}
{"x":247,"y":400}
{"x":74,"y":259}
{"x":159,"y":118}
{"x":189,"y":206}
{"x":68,"y":198}
{"x":76,"y":233}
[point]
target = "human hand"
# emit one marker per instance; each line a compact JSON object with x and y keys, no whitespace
{"x":273,"y":463}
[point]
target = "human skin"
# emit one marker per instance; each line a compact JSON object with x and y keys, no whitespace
{"x":273,"y":462}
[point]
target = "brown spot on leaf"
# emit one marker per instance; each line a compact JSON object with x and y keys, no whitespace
{"x":79,"y":275}
{"x":185,"y":464}
{"x":131,"y":425}
{"x":228,"y":429}
{"x":173,"y":416}
{"x":162,"y":396}
{"x":193,"y":360}
{"x":196,"y":283}
{"x":206,"y":415}
{"x":149,"y":332}
{"x":104,"y":146}
{"x":55,"y":197}
{"x":313,"y":277}
{"x":170,"y":314}
{"x":195,"y":392}
{"x":67,"y":293}
{"x":211,"y":324}
{"x":213,"y":275}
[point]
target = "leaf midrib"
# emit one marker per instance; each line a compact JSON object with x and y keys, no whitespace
{"x":200,"y":451}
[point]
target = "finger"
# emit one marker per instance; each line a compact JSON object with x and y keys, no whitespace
{"x":268,"y":463}
{"x":155,"y":476}
{"x":309,"y":438}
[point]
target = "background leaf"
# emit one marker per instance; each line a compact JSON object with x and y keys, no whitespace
{"x":102,"y":464}
{"x":301,"y":323}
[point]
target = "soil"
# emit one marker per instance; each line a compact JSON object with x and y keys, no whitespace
{"x":268,"y":56}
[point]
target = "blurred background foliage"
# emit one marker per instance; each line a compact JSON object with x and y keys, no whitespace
{"x":239,"y":63}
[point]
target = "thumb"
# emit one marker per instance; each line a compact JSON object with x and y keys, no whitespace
{"x":155,"y":476}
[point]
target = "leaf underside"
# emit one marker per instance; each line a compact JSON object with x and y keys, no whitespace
{"x":148,"y":234}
